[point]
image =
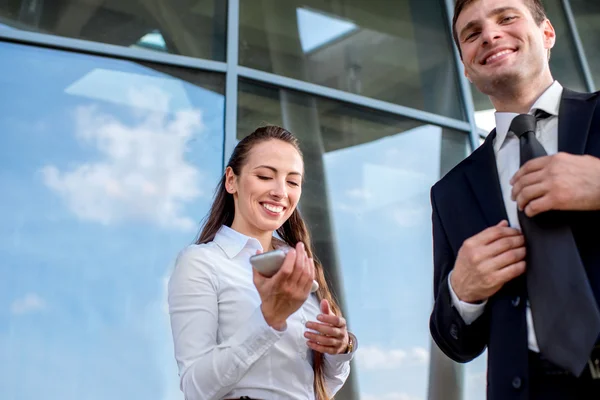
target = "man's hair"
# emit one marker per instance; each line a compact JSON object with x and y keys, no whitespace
{"x":535,"y":7}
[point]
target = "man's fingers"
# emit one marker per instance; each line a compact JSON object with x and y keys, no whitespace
{"x":530,"y":166}
{"x":537,"y":206}
{"x":492,"y":234}
{"x":530,"y":193}
{"x":505,"y":259}
{"x":503,"y":245}
{"x":525,"y":181}
{"x":509,"y":272}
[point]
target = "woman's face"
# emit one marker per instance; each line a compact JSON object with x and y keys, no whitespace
{"x":268,"y":188}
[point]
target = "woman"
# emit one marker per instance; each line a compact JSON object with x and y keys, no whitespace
{"x":239,"y":334}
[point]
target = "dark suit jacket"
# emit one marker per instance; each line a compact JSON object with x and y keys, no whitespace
{"x":468,"y":200}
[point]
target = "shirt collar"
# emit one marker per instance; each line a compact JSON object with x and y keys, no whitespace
{"x":549,"y":101}
{"x":232,"y":242}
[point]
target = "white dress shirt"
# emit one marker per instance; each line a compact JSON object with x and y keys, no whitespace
{"x":223,"y":346}
{"x":506,"y":149}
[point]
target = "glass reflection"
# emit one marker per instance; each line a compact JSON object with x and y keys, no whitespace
{"x":587,"y":19}
{"x":400,"y":52}
{"x":106,"y":168}
{"x":366,"y":200}
{"x":194,"y":28}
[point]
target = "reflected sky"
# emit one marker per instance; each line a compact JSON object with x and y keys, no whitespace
{"x":317,"y":29}
{"x":380,"y":197}
{"x":106,"y":167}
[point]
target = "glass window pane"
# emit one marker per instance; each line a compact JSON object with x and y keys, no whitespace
{"x":366,"y":201}
{"x":564,"y":65}
{"x":194,"y":28}
{"x":398,"y":51}
{"x":106,"y":168}
{"x":587,"y":19}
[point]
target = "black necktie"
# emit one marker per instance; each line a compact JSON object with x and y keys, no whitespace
{"x":565,"y":314}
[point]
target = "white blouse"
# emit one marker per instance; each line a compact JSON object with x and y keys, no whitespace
{"x":223,"y":346}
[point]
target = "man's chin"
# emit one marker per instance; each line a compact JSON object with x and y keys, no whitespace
{"x":499,"y":81}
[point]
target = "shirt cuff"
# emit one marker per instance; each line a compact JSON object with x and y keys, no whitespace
{"x":255,"y":338}
{"x":469,"y":312}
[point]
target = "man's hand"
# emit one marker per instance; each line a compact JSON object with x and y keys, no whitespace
{"x":559,"y":182}
{"x":486,"y":261}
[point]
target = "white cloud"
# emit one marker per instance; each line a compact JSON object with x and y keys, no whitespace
{"x":411,"y":216}
{"x":28,"y":304}
{"x":390,"y":396}
{"x":142,"y":173}
{"x":359,"y":193}
{"x":374,"y":357}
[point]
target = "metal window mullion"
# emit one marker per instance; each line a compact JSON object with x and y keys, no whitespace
{"x":231,"y":80}
{"x":465,"y":89}
{"x":108,"y":50}
{"x":347,"y":97}
{"x":587,"y":74}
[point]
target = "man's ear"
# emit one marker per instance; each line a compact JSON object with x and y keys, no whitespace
{"x":549,"y":34}
{"x":230,"y":181}
{"x":467,"y":75}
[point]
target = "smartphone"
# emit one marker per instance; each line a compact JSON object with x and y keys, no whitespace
{"x":269,"y":263}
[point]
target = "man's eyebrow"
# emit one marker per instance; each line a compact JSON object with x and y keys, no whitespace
{"x":494,"y":12}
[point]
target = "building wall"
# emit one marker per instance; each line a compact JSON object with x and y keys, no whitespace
{"x":118,"y":116}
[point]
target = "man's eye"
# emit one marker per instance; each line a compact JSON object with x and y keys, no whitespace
{"x":471,"y":36}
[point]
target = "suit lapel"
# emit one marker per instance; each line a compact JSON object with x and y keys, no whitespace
{"x":574,"y":119}
{"x":484,"y":182}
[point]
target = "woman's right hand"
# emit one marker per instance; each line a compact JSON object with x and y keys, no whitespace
{"x":286,"y":291}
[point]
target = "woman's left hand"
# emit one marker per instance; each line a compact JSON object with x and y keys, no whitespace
{"x":332,"y":336}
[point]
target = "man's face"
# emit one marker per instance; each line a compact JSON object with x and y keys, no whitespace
{"x":501,"y":44}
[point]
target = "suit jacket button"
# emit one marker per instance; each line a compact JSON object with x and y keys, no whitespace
{"x":516,"y":382}
{"x":454,"y":331}
{"x":516,"y":301}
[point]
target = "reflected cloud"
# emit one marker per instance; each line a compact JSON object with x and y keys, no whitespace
{"x":29,"y":304}
{"x":374,"y":357}
{"x":410,"y":216}
{"x":142,"y":173}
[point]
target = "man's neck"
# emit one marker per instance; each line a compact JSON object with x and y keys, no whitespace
{"x":519,"y":99}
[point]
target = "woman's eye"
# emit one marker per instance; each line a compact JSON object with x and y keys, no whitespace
{"x":293,"y":183}
{"x":264,"y":178}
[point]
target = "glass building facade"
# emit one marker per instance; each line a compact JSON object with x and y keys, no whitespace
{"x":118,"y":116}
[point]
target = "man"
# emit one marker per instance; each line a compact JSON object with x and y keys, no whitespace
{"x":515,"y":225}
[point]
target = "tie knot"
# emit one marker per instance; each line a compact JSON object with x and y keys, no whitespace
{"x":522,"y":124}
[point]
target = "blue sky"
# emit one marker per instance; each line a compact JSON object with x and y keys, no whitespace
{"x":108,"y":166}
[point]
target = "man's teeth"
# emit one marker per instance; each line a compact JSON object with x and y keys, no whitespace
{"x":275,"y":209}
{"x":503,"y":52}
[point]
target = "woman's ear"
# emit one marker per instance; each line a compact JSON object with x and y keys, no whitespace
{"x":230,"y":181}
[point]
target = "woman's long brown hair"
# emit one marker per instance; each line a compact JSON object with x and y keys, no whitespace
{"x":292,"y":231}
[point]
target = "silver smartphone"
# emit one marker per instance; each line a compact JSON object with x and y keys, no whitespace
{"x":269,"y":263}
